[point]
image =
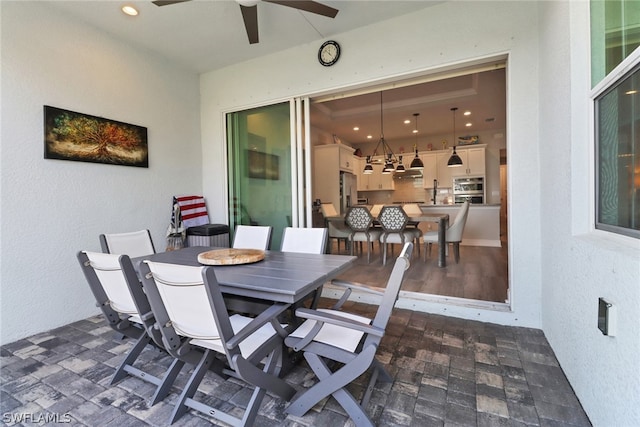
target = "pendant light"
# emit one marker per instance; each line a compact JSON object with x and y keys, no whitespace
{"x":416,"y":163}
{"x":388,"y":158}
{"x":455,"y":160}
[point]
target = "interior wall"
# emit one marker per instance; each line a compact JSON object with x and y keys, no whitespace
{"x":423,"y":44}
{"x":52,"y":208}
{"x":579,"y":264}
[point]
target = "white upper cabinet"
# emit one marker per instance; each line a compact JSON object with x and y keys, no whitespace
{"x":473,"y":162}
{"x":430,"y":171}
{"x":374,"y":181}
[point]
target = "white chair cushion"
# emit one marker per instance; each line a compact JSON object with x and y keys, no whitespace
{"x":395,"y":237}
{"x":249,"y":345}
{"x":337,"y":336}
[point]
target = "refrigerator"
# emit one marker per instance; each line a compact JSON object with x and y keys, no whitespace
{"x":348,"y":191}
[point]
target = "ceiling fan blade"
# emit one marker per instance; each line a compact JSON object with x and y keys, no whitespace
{"x":250,"y":17}
{"x":308,"y":6}
{"x":168,"y":2}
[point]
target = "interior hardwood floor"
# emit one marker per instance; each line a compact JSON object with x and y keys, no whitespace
{"x":482,"y":273}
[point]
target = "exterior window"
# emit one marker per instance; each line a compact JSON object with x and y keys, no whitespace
{"x":615,"y":37}
{"x":617,"y":121}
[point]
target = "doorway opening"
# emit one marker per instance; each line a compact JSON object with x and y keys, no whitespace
{"x":353,"y":119}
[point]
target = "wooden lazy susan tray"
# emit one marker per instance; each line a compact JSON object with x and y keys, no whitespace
{"x":230,"y":256}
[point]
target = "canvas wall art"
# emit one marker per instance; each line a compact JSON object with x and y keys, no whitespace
{"x":69,"y":135}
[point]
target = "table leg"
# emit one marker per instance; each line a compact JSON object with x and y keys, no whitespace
{"x":442,"y":243}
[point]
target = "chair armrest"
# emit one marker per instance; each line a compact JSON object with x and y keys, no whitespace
{"x":356,"y":285}
{"x":267,"y":316}
{"x":350,"y":286}
{"x":324,"y":317}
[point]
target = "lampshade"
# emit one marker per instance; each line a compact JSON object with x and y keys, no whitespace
{"x":416,"y":163}
{"x":454,"y":160}
{"x":368,"y":168}
{"x":400,"y":167}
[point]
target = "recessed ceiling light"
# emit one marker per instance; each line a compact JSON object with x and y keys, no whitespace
{"x":468,"y":125}
{"x":467,"y":113}
{"x":407,"y":121}
{"x":356,"y":128}
{"x":130,"y":10}
{"x":369,"y":137}
{"x":631,"y":92}
{"x":415,"y":131}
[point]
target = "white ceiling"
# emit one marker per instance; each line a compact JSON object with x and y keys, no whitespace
{"x":204,"y":35}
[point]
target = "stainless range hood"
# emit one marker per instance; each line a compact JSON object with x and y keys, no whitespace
{"x":408,"y":174}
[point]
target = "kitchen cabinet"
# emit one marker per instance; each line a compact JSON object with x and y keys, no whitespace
{"x":336,"y":154}
{"x":444,"y":171}
{"x":473,"y":162}
{"x":328,"y":162}
{"x":375,"y":181}
{"x":430,"y":171}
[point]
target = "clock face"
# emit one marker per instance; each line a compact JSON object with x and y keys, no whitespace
{"x":329,"y":53}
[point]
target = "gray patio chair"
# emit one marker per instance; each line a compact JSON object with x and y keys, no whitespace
{"x":135,"y":243}
{"x":360,"y":222}
{"x":197,"y":329}
{"x":252,"y":237}
{"x":331,"y":335}
{"x":119,"y":295}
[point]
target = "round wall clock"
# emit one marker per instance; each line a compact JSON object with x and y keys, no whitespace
{"x":329,"y":53}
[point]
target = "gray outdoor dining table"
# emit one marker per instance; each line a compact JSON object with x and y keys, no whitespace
{"x":286,"y":277}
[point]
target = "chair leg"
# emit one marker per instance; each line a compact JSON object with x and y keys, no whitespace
{"x":133,"y":354}
{"x":333,"y":383}
{"x":169,"y":377}
{"x":191,"y":387}
{"x":456,"y":251}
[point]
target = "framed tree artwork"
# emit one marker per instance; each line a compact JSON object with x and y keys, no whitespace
{"x":69,"y":135}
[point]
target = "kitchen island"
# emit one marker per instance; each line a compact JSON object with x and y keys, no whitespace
{"x":482,"y":227}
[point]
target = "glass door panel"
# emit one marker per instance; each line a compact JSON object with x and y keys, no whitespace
{"x":260,"y":168}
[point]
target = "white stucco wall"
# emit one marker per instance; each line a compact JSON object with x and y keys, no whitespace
{"x":50,"y":208}
{"x":413,"y":44}
{"x":578,"y":264}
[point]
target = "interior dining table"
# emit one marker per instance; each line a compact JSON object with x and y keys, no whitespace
{"x":443,"y":223}
{"x":287,"y":277}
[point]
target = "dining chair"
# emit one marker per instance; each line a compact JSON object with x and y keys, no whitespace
{"x":332,"y":335}
{"x":360,"y":223}
{"x":197,"y":329}
{"x":453,"y":234}
{"x":304,"y":240}
{"x":119,"y":294}
{"x":252,"y":237}
{"x":134,"y":243}
{"x":336,"y":226}
{"x":393,"y":220}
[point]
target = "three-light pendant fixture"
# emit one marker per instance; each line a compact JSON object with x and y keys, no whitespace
{"x":389,"y":159}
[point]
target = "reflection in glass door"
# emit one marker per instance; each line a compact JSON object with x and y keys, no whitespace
{"x":262,"y":165}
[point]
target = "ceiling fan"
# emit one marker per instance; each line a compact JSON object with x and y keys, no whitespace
{"x":249,"y":10}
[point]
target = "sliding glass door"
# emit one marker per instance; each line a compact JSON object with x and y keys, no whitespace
{"x":266,"y":164}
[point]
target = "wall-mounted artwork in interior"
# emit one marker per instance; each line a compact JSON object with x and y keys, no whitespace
{"x":263,"y":165}
{"x":468,"y":140}
{"x":75,"y":136}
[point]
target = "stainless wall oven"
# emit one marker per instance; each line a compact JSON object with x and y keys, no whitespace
{"x":468,"y":188}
